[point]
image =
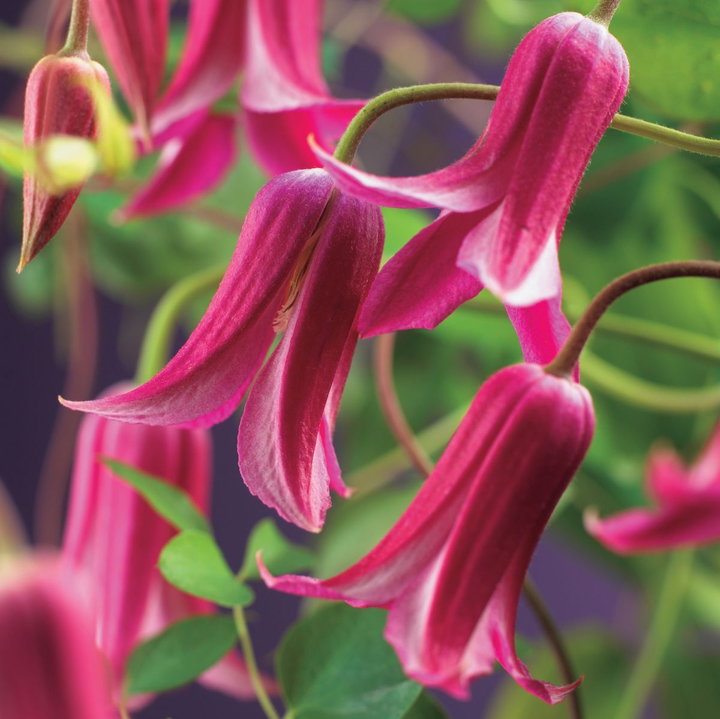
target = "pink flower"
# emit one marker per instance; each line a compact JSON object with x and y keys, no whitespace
{"x":304,"y":263}
{"x":49,"y":666}
{"x":134,"y":35}
{"x":57,"y":102}
{"x":688,"y":506}
{"x":284,"y":93}
{"x":452,"y":568}
{"x":113,"y":538}
{"x":506,"y":201}
{"x":211,"y":60}
{"x":189,"y":166}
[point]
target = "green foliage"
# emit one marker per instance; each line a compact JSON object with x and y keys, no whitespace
{"x":193,"y":562}
{"x":335,"y":664}
{"x":279,"y":555}
{"x":425,"y":12}
{"x":179,"y":654}
{"x":168,"y":501}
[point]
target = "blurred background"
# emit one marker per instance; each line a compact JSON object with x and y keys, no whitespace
{"x":73,"y":322}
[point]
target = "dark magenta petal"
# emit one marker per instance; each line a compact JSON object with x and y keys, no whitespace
{"x":207,"y":378}
{"x":281,"y":442}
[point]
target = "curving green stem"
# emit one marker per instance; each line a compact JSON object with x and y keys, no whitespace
{"x":159,"y":333}
{"x":604,"y":11}
{"x":78,"y":31}
{"x":253,"y":671}
{"x":350,"y":141}
{"x":659,"y":635}
{"x":569,"y":354}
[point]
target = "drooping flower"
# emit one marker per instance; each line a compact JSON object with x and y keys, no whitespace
{"x":134,"y":35}
{"x":688,"y":506}
{"x":57,"y":102}
{"x":452,"y":568}
{"x":304,"y":263}
{"x":212,"y":57}
{"x":189,"y":165}
{"x":113,"y":538}
{"x":508,"y":198}
{"x":284,"y":93}
{"x":49,"y":666}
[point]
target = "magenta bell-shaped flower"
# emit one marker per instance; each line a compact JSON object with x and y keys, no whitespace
{"x":688,"y":506}
{"x":113,"y":538}
{"x":452,"y":568}
{"x":506,"y":201}
{"x":304,"y":263}
{"x":49,"y":665}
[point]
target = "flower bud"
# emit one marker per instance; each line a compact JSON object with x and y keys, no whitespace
{"x":57,"y":102}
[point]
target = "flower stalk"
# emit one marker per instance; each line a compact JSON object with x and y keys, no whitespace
{"x":604,"y":11}
{"x":78,"y":32}
{"x":378,"y":106}
{"x":568,"y":356}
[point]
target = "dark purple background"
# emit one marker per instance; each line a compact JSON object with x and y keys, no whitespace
{"x":30,"y":381}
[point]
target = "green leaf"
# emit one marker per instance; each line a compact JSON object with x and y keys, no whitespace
{"x":335,"y":664}
{"x":673,"y":51}
{"x":425,"y":708}
{"x":425,"y":12}
{"x":279,"y":555}
{"x":193,"y":562}
{"x":170,"y":502}
{"x":180,"y":653}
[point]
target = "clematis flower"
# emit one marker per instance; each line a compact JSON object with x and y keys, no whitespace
{"x":134,"y":35}
{"x":688,"y":506}
{"x":113,"y":539}
{"x":284,"y":93}
{"x":304,"y":263}
{"x":188,"y":166}
{"x":506,"y":201}
{"x":211,"y":60}
{"x":452,"y":568}
{"x":49,"y":666}
{"x":57,"y":102}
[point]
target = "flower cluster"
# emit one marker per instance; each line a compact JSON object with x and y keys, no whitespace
{"x":304,"y":285}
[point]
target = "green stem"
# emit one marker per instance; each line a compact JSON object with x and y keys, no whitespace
{"x":604,"y":11}
{"x":646,"y":395}
{"x":659,"y":635}
{"x":634,"y":328}
{"x":158,"y":336}
{"x":78,"y":32}
{"x":569,"y":354}
{"x":249,"y":654}
{"x":361,"y":123}
{"x":350,"y":141}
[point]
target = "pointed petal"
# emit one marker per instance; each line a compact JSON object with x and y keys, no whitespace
{"x":636,"y":531}
{"x":188,"y":168}
{"x":134,"y":35}
{"x":208,"y":377}
{"x":422,"y":285}
{"x":667,"y":479}
{"x":705,"y":472}
{"x":210,"y":63}
{"x":280,"y":449}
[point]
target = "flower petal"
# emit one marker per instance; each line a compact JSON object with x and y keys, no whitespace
{"x":421,"y":285}
{"x":208,"y":377}
{"x":280,"y":443}
{"x":211,"y":60}
{"x":188,"y":168}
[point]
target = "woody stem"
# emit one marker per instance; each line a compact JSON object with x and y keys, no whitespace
{"x":569,"y":354}
{"x":398,"y":424}
{"x":78,"y":32}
